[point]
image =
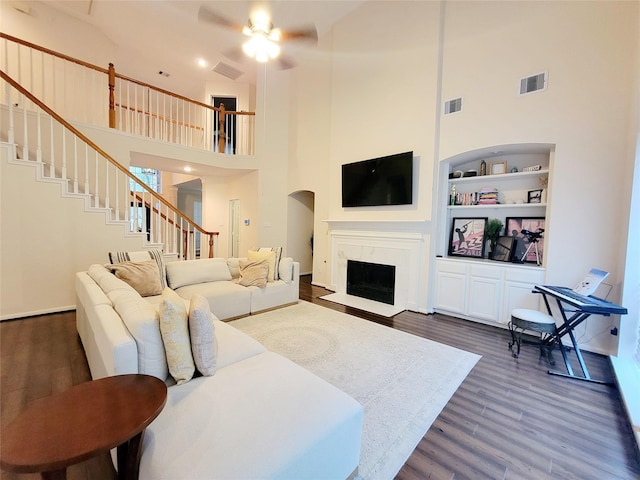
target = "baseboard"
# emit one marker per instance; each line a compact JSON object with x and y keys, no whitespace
{"x":46,"y":311}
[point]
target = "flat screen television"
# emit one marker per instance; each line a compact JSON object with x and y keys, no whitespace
{"x":378,"y":181}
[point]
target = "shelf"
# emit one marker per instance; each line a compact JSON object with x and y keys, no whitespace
{"x":498,"y":205}
{"x":498,"y":178}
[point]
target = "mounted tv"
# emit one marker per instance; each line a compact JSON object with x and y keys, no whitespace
{"x":379,"y":181}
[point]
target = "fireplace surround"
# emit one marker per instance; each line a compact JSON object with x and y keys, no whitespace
{"x":397,"y":243}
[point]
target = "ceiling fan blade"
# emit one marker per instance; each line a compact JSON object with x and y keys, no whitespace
{"x":309,"y":33}
{"x":236,"y":54}
{"x":209,"y":16}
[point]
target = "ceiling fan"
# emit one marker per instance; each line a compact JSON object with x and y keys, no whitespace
{"x":264,"y":41}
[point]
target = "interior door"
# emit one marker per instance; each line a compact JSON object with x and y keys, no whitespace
{"x":234,"y":228}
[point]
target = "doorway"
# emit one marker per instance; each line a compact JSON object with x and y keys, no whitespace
{"x":229,"y":125}
{"x":234,"y":228}
{"x":300,"y":220}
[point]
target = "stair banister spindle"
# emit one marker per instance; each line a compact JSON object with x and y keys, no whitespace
{"x":75,"y":164}
{"x":11,"y":132}
{"x":25,"y":147}
{"x":117,"y":194}
{"x":38,"y":135}
{"x":96,"y":194}
{"x":52,"y":150}
{"x":106,"y":186}
{"x":86,"y":169}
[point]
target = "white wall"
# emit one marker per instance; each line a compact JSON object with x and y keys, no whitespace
{"x":44,"y":240}
{"x":584,"y":111}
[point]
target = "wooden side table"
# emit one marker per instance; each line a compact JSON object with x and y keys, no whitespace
{"x":84,"y":421}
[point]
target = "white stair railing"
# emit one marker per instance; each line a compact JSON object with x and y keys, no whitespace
{"x":63,"y":154}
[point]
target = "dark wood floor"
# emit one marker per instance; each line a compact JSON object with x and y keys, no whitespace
{"x":508,"y":420}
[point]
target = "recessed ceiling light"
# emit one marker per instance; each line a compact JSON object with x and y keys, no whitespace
{"x":202,"y":62}
{"x":187,"y":169}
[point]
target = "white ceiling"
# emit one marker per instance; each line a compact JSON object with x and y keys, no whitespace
{"x":169,"y":37}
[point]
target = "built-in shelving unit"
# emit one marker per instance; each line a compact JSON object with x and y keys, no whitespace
{"x":482,"y":289}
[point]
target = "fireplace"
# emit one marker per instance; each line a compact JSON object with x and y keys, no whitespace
{"x":372,"y":281}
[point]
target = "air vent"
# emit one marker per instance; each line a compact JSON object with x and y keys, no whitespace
{"x":533,"y":83}
{"x":453,"y":106}
{"x":227,"y":70}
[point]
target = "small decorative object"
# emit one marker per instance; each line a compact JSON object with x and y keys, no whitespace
{"x":456,"y":174}
{"x":532,"y":168}
{"x":534,"y":196}
{"x":498,"y":168}
{"x":514,"y":170}
{"x":470,"y":173}
{"x":494,"y":227}
{"x":468,"y":237}
{"x":452,"y":196}
{"x":526,"y":231}
{"x":483,"y":168}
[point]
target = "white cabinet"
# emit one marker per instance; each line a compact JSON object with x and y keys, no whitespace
{"x":485,"y":291}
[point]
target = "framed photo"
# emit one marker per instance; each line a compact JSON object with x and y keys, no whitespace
{"x":524,"y":248}
{"x":534,"y":196}
{"x":467,"y":237}
{"x":498,"y":168}
{"x":504,"y":249}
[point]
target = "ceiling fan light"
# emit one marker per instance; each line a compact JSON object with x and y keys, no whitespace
{"x":261,"y":48}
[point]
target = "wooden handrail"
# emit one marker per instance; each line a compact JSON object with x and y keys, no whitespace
{"x":104,"y":154}
{"x":111,"y":71}
{"x":51,"y":52}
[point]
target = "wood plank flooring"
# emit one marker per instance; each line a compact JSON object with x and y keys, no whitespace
{"x":508,"y":420}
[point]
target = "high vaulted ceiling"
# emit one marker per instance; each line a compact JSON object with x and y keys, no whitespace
{"x":169,"y":37}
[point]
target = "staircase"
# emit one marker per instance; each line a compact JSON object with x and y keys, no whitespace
{"x":60,"y":153}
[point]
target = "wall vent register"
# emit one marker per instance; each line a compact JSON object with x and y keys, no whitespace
{"x":453,"y":106}
{"x":533,"y":83}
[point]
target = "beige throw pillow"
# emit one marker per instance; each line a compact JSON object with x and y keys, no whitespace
{"x":175,"y":336}
{"x":144,"y":277}
{"x":254,"y":273}
{"x":270,"y":257}
{"x":204,"y":346}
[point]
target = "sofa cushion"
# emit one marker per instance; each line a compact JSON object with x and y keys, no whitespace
{"x":226,"y":299}
{"x":141,"y":319}
{"x":141,"y":256}
{"x":286,"y":269}
{"x":203,"y":335}
{"x":278,"y":257}
{"x":144,"y":277}
{"x":234,"y":345}
{"x":190,"y":272}
{"x":254,"y":272}
{"x":174,"y":329}
{"x":107,"y":280}
{"x":270,"y":258}
{"x":234,"y":267}
{"x":264,"y":417}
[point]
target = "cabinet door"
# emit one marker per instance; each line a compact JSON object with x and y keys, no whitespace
{"x":451,"y":291}
{"x":485,"y":298}
{"x":518,"y":295}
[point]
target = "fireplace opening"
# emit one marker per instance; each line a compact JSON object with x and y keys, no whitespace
{"x":371,"y":280}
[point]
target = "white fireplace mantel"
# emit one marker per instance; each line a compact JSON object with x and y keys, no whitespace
{"x":399,"y":243}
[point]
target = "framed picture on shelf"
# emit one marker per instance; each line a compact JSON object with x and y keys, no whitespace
{"x":534,"y":196}
{"x":467,"y":237}
{"x":498,"y":168}
{"x":524,"y":249}
{"x":504,"y":249}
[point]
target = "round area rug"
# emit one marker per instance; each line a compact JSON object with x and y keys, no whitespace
{"x":300,"y":344}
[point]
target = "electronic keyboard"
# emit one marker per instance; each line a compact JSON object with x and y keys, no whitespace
{"x":587,"y":304}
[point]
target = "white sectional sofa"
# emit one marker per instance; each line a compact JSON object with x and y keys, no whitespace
{"x":260,"y":416}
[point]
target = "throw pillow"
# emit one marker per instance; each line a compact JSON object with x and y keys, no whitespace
{"x":204,"y":346}
{"x":270,"y":257}
{"x":140,"y":256}
{"x":175,"y":336}
{"x":278,"y":252}
{"x":253,"y":273}
{"x":144,"y":277}
{"x":286,"y":269}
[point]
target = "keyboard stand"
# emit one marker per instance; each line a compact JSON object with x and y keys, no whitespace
{"x":569,"y":324}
